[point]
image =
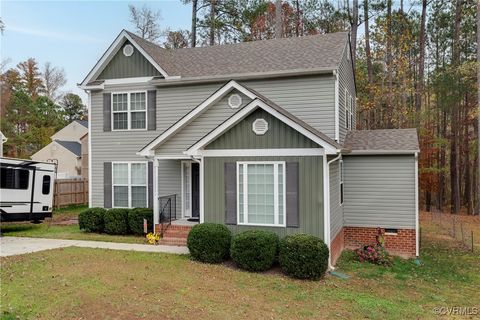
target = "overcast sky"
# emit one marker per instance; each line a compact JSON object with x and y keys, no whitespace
{"x":73,"y":34}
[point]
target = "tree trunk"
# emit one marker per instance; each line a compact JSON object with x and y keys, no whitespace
{"x":212,"y":22}
{"x":467,"y":196}
{"x":354,"y":32}
{"x":389,"y":101}
{"x":454,"y":147}
{"x":278,"y":19}
{"x":297,"y":18}
{"x":368,"y":54}
{"x":194,"y":23}
{"x":477,"y":170}
{"x":421,"y":63}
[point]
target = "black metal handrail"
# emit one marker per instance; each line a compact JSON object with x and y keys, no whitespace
{"x":166,"y":204}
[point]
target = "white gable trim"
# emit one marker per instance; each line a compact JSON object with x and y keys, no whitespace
{"x":284,"y":152}
{"x":237,"y":117}
{"x":148,"y":149}
{"x":111,"y":51}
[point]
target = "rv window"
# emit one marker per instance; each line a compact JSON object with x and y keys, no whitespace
{"x":14,"y":178}
{"x":46,"y":185}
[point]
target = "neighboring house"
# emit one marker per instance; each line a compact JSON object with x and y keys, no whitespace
{"x":66,"y":150}
{"x":252,"y":135}
{"x":3,"y":139}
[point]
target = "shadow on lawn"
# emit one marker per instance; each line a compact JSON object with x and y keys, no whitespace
{"x":5,"y":229}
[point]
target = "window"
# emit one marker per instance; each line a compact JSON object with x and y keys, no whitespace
{"x":347,"y":115}
{"x":351,"y":112}
{"x":129,"y":111}
{"x":46,"y":185}
{"x":129,"y":183}
{"x":14,"y":178}
{"x":341,"y":182}
{"x":261,"y":193}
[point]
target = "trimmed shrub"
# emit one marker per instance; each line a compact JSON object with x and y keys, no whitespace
{"x":303,"y":256}
{"x":254,"y":250}
{"x":116,"y":221}
{"x":91,"y":220}
{"x":209,"y":242}
{"x":135,"y":220}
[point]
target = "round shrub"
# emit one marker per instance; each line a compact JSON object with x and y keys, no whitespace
{"x":116,"y":221}
{"x":91,"y":220}
{"x":254,"y":250}
{"x":209,"y":242}
{"x":135,"y":220}
{"x":303,"y":256}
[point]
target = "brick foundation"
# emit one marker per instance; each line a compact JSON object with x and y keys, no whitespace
{"x":401,"y":244}
{"x":337,"y":246}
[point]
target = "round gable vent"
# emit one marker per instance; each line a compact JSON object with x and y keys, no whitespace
{"x":128,"y":50}
{"x":234,"y":101}
{"x":260,"y":127}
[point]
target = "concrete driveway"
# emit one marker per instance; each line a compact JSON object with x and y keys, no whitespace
{"x":10,"y":246}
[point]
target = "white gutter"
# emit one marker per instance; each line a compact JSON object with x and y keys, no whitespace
{"x":326,"y":195}
{"x":417,"y":231}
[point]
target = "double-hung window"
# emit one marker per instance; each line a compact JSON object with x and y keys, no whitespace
{"x":261,"y":193}
{"x":129,"y":183}
{"x":129,"y":111}
{"x":347,"y":113}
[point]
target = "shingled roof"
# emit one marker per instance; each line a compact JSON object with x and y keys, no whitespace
{"x":382,"y":141}
{"x":72,"y":146}
{"x":315,"y":52}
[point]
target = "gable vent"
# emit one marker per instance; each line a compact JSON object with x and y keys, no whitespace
{"x":234,"y":101}
{"x":260,"y":127}
{"x":128,"y":50}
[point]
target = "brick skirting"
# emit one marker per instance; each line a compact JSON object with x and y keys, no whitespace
{"x":401,"y":244}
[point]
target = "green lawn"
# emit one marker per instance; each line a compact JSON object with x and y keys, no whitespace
{"x":51,"y":229}
{"x":102,"y":284}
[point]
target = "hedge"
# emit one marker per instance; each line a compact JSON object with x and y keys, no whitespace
{"x":116,"y":221}
{"x":303,"y":256}
{"x":209,"y":242}
{"x":135,"y":220}
{"x":254,"y":250}
{"x":92,"y":220}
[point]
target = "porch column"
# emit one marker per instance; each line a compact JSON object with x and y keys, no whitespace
{"x":156,"y":213}
{"x":202,"y":187}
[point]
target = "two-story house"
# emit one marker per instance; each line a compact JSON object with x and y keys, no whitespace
{"x":252,"y":135}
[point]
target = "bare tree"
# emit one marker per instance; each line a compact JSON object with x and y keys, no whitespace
{"x":176,"y":39}
{"x":278,"y":19}
{"x":421,"y":60}
{"x":53,"y":79}
{"x":146,"y":22}
{"x":354,"y":23}
{"x":2,"y":26}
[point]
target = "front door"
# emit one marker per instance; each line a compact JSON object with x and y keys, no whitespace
{"x":195,"y":190}
{"x":191,"y":189}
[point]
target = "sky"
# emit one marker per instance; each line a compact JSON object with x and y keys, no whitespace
{"x":73,"y":35}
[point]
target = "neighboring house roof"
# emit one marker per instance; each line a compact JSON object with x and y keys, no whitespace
{"x":382,"y":141}
{"x":72,"y":146}
{"x":318,"y":52}
{"x":83,"y":123}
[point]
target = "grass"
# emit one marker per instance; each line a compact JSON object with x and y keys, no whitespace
{"x":50,"y":229}
{"x":96,"y":283}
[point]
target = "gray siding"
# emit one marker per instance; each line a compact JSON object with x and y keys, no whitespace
{"x":279,"y":135}
{"x":336,"y":210}
{"x":169,"y":182}
{"x":201,"y":126}
{"x":379,"y":191}
{"x":310,"y":194}
{"x":127,"y":67}
{"x":345,"y":82}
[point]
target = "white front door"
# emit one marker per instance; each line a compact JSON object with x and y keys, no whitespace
{"x":186,"y":189}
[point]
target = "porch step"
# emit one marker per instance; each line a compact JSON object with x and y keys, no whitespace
{"x":176,"y":235}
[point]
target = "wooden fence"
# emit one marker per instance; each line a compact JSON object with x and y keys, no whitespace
{"x":70,"y":191}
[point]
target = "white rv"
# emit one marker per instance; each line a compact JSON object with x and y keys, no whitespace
{"x":26,"y":191}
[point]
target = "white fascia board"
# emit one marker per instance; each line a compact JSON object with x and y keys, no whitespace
{"x":127,"y":80}
{"x":329,"y":149}
{"x":259,"y":152}
{"x":195,"y":113}
{"x":113,"y":49}
{"x":380,"y":152}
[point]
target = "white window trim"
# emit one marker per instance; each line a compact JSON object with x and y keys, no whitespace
{"x":341,"y":191}
{"x":184,"y":215}
{"x":275,"y":194}
{"x":347,"y":113}
{"x":129,"y":110}
{"x":129,"y":185}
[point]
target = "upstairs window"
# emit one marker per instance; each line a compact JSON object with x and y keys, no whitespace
{"x":129,"y":111}
{"x":341,"y":182}
{"x":347,"y":113}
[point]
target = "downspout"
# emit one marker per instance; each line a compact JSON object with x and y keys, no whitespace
{"x":417,"y":233}
{"x":327,"y":210}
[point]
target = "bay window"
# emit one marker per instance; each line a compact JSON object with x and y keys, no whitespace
{"x":261,"y":193}
{"x":129,"y":183}
{"x":129,"y":111}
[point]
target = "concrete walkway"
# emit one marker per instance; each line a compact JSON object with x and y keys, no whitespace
{"x":10,"y":246}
